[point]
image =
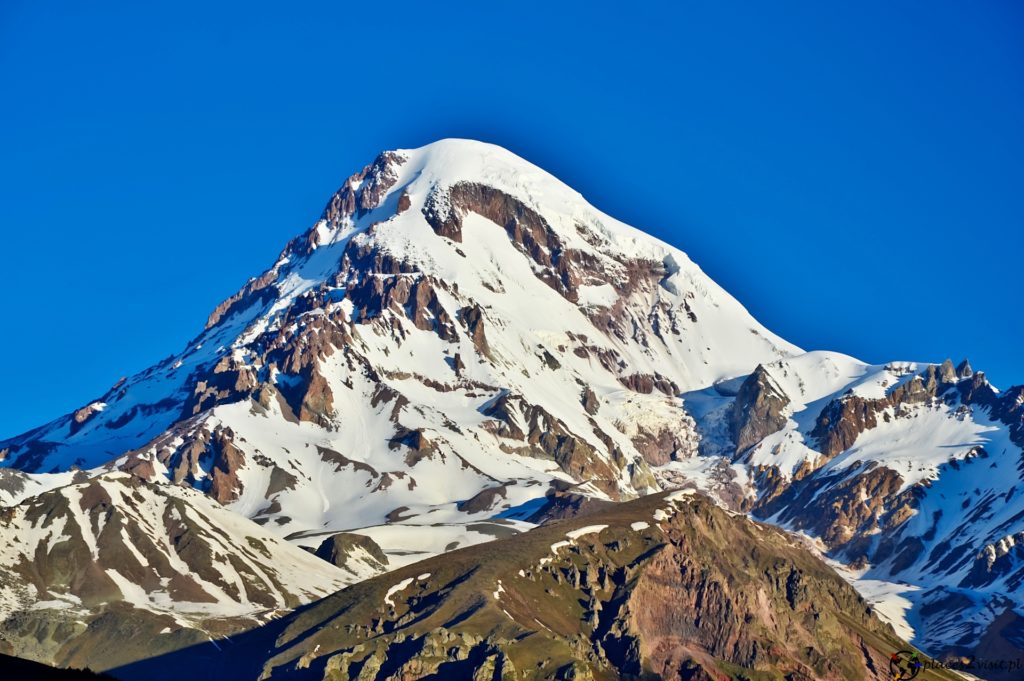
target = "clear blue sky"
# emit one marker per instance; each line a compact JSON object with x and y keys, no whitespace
{"x":855,"y":176}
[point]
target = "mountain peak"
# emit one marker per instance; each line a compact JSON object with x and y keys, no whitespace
{"x":470,"y":244}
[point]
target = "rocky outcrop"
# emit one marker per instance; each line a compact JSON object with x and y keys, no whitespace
{"x":659,"y":447}
{"x":859,"y":513}
{"x":648,"y":383}
{"x":1009,"y":409}
{"x":310,"y":397}
{"x":362,"y":192}
{"x":229,"y":381}
{"x":758,"y":411}
{"x":999,"y":561}
{"x":352,"y":553}
{"x":855,"y":508}
{"x":257,"y":292}
{"x":82,"y":416}
{"x":412,"y":296}
{"x":590,"y":402}
{"x":547,"y":437}
{"x":202,"y":458}
{"x":473,"y":319}
{"x":484,"y":500}
{"x":445,"y":209}
{"x":844,"y":419}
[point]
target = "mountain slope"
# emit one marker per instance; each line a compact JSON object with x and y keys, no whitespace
{"x":668,"y":586}
{"x":164,"y":566}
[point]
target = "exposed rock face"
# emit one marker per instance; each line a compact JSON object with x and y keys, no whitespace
{"x":589,"y":401}
{"x":947,"y":374}
{"x":857,"y":507}
{"x":528,"y":230}
{"x":759,"y":410}
{"x":647,"y":383}
{"x":618,"y":594}
{"x":1009,"y":409}
{"x":843,"y":420}
{"x":484,"y":500}
{"x":205,"y":459}
{"x":848,"y":510}
{"x":545,"y":436}
{"x":82,"y":416}
{"x":353,"y":553}
{"x":473,"y":318}
{"x":999,"y":561}
{"x":657,"y":448}
{"x":258,"y":291}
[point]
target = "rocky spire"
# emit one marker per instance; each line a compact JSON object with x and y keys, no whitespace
{"x":758,"y":410}
{"x":947,"y":374}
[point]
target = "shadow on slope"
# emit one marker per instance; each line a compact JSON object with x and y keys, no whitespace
{"x":17,"y":668}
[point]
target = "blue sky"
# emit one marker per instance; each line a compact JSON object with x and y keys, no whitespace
{"x":853,"y":175}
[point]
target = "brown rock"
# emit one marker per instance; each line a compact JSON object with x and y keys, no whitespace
{"x":339,"y":549}
{"x":758,"y":411}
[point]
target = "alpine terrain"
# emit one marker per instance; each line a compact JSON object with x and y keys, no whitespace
{"x":464,"y":357}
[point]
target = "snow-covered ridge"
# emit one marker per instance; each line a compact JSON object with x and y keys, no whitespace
{"x":161,"y":548}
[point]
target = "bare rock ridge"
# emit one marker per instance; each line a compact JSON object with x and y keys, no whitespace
{"x":342,"y":548}
{"x":759,"y":410}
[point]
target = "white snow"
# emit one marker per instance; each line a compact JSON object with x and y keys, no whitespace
{"x":889,"y":602}
{"x":583,"y":531}
{"x":401,"y":586}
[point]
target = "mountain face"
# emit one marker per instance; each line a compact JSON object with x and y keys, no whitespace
{"x":459,"y":340}
{"x":669,"y":586}
{"x":908,"y":474}
{"x":458,"y":323}
{"x":80,"y":558}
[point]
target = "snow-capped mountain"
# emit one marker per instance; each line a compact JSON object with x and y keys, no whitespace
{"x":460,"y":333}
{"x":457,"y":321}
